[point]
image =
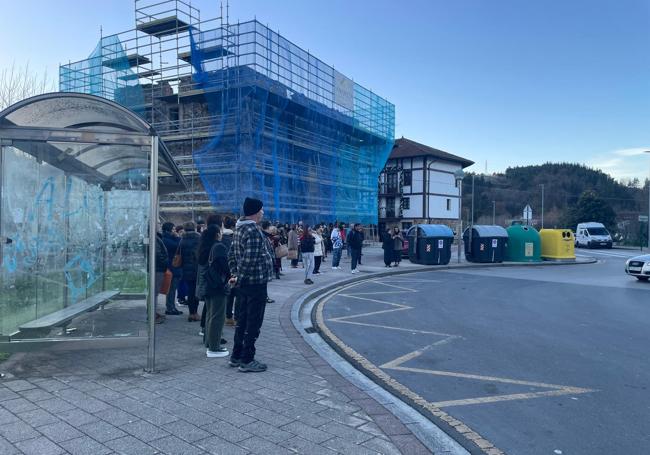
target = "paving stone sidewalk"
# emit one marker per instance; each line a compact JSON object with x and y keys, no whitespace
{"x":99,"y":402}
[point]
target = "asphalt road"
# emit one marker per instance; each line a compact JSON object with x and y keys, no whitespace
{"x":538,"y":360}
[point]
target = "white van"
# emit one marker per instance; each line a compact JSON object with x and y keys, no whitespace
{"x":593,"y":235}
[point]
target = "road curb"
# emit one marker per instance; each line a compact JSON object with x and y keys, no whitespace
{"x":469,"y":440}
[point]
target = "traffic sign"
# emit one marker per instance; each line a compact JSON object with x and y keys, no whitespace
{"x":643,"y":218}
{"x":528,"y":213}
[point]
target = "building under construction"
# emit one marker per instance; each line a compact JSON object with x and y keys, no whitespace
{"x":245,"y":112}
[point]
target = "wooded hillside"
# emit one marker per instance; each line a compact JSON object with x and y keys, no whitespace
{"x":564,"y":184}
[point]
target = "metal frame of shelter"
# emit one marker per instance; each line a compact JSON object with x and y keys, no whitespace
{"x":96,"y":140}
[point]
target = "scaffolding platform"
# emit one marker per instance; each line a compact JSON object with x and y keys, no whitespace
{"x":207,"y":53}
{"x":163,"y":27}
{"x":132,"y":61}
{"x":142,"y":75}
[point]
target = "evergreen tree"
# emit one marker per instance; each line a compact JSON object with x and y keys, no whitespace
{"x":590,"y":207}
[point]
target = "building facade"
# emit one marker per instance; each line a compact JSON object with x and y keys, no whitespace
{"x":417,"y":185}
{"x":245,"y":112}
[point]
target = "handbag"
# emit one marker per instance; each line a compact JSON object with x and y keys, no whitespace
{"x":281,"y":251}
{"x":292,"y":254}
{"x":166,"y":282}
{"x":178,"y":257}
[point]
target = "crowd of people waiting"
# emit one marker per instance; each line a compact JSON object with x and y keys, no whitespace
{"x":227,"y":263}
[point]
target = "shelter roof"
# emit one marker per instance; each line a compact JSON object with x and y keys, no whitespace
{"x":87,"y":135}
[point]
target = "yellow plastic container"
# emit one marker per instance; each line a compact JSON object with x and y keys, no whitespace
{"x":557,"y":244}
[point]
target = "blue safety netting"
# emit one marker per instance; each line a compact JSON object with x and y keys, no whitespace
{"x":107,"y":72}
{"x":287,"y":128}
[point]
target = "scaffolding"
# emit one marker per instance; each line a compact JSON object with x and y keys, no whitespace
{"x":245,"y":112}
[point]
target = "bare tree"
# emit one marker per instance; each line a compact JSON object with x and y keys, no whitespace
{"x":20,"y":82}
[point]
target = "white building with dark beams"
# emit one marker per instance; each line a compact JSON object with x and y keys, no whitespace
{"x":417,"y":185}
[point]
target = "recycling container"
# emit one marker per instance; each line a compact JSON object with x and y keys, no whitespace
{"x":524,"y":244}
{"x":430,"y":244}
{"x":557,"y":244}
{"x":488,"y":243}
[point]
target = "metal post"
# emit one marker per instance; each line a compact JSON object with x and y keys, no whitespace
{"x":153,"y":219}
{"x":542,"y":206}
{"x":460,"y":215}
{"x":641,"y":241}
{"x":471,"y":227}
{"x":494,"y":213}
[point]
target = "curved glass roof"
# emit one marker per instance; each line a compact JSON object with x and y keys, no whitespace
{"x":87,"y":135}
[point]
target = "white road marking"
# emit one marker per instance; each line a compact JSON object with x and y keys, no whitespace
{"x":397,"y":365}
{"x":449,"y":338}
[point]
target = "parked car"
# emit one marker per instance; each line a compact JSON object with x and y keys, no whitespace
{"x":593,"y":235}
{"x":639,"y":266}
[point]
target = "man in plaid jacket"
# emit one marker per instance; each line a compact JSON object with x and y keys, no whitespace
{"x":251,"y":265}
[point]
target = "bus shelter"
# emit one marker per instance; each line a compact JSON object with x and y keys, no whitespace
{"x":80,"y":178}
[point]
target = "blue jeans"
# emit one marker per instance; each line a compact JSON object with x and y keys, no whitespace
{"x":336,"y":257}
{"x":356,"y":255}
{"x":308,"y":261}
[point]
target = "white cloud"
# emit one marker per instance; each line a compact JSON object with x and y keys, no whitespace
{"x":623,"y":164}
{"x":632,"y":151}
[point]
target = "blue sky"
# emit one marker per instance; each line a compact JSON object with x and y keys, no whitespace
{"x":509,"y":82}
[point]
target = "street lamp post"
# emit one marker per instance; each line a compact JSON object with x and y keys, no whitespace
{"x":471,"y":226}
{"x":648,"y":151}
{"x":494,"y":213}
{"x":458,"y":175}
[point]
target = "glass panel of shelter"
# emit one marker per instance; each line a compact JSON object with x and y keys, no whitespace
{"x":65,"y":240}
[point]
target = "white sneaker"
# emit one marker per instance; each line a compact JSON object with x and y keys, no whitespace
{"x":201,"y":333}
{"x":355,"y":271}
{"x":221,"y":352}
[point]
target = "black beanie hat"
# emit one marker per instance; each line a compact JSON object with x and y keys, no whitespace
{"x":252,"y":206}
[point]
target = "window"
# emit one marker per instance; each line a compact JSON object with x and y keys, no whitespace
{"x":406,"y":203}
{"x":408,"y":177}
{"x":448,"y":205}
{"x":391,"y":182}
{"x":390,"y":207}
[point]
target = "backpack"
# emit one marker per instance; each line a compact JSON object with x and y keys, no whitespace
{"x":216,"y":281}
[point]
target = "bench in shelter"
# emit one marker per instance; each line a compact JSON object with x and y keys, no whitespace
{"x":64,"y":315}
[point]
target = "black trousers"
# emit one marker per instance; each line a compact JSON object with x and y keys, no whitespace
{"x":249,"y":312}
{"x":317,"y":261}
{"x":192,"y":301}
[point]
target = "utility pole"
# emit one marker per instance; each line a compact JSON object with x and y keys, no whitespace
{"x":542,"y":206}
{"x":494,"y":213}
